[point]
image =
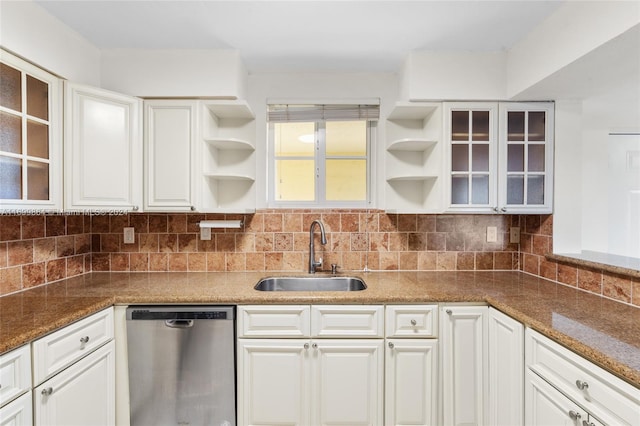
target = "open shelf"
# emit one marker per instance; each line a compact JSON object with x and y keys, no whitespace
{"x":230,"y":143}
{"x":411,"y":144}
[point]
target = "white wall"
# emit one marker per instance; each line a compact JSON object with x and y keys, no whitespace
{"x":454,"y":76}
{"x":320,"y":87}
{"x":174,"y":73}
{"x":30,"y":32}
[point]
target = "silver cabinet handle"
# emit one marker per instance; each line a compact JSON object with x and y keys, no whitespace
{"x":574,"y":415}
{"x":503,"y":210}
{"x":135,"y":208}
{"x":449,"y":311}
{"x":46,"y":391}
{"x":391,"y":345}
{"x":314,"y":346}
{"x":586,"y":423}
{"x":582,"y":385}
{"x":306,"y":346}
{"x":413,"y":322}
{"x":495,"y":209}
{"x":192,"y":208}
{"x":84,"y":340}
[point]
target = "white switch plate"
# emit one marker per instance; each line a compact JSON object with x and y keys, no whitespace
{"x":205,"y":233}
{"x":129,"y":235}
{"x":492,"y":234}
{"x":514,"y":235}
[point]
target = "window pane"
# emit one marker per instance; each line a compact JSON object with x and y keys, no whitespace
{"x":294,"y":139}
{"x":515,"y":126}
{"x":295,"y":180}
{"x":459,"y":190}
{"x":460,"y":125}
{"x":536,"y":125}
{"x":37,"y":180}
{"x":515,"y":190}
{"x":37,"y":139}
{"x":515,"y":158}
{"x":480,"y":189}
{"x":346,"y":180}
{"x":536,"y":158}
{"x":480,"y":161}
{"x":10,"y":133}
{"x":480,"y":125}
{"x":10,"y":88}
{"x":11,"y":178}
{"x":460,"y":158}
{"x":37,"y":98}
{"x":346,"y":138}
{"x":535,"y":190}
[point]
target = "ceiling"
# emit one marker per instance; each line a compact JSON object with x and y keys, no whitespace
{"x":303,"y":35}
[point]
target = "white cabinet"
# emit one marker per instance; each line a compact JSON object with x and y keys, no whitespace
{"x":103,"y":150}
{"x":499,"y":157}
{"x":82,"y":394}
{"x":414,"y":158}
{"x":15,"y":374}
{"x":170,"y":141}
{"x":506,"y":369}
{"x":316,"y":367}
{"x":18,"y":412}
{"x":228,"y":168}
{"x":600,"y":394}
{"x":74,"y":373}
{"x":30,"y":137}
{"x":411,"y":360}
{"x":464,"y":352}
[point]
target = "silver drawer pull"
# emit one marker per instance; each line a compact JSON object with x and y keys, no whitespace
{"x":391,"y":345}
{"x":314,"y":346}
{"x":574,"y":415}
{"x":449,"y":311}
{"x":306,"y":346}
{"x":586,"y":423}
{"x":84,"y":340}
{"x":413,"y":322}
{"x":46,"y":391}
{"x":582,"y":385}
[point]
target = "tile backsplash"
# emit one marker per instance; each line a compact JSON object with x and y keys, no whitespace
{"x":39,"y":249}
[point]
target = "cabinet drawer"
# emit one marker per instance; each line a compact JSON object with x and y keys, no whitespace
{"x":273,"y":321}
{"x":62,"y":348}
{"x":598,"y":391}
{"x":17,"y":413}
{"x":347,"y":321}
{"x":413,"y":321}
{"x":15,"y":373}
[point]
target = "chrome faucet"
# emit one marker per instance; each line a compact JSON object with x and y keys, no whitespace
{"x":323,"y":239}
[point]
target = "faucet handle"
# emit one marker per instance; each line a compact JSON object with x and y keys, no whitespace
{"x":334,"y":268}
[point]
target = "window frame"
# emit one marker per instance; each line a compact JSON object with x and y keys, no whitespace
{"x":320,"y":159}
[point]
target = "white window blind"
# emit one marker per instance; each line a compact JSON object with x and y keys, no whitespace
{"x":336,"y":112}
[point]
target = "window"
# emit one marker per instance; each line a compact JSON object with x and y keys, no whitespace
{"x":320,"y":155}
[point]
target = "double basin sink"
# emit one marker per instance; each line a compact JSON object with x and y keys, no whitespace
{"x":311,"y":283}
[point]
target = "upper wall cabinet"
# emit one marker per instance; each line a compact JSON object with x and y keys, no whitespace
{"x":103,"y":150}
{"x":170,"y":136}
{"x":228,"y":160}
{"x":30,"y":137}
{"x":414,"y":158}
{"x":499,"y":157}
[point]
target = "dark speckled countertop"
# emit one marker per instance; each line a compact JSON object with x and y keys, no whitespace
{"x":603,"y":331}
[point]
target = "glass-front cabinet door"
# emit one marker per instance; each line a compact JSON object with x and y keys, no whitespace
{"x":471,"y":136}
{"x":30,"y":137}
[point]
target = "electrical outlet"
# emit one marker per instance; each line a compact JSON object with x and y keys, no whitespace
{"x":129,"y":235}
{"x":514,"y":235}
{"x":205,"y":233}
{"x":492,"y":234}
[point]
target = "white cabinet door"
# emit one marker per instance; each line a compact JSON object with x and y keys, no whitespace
{"x":15,"y":373}
{"x":103,"y":149}
{"x":464,"y":364}
{"x":506,"y":369}
{"x":273,"y":382}
{"x":18,"y":412}
{"x":83,"y":394}
{"x":545,"y":406}
{"x":169,"y":154}
{"x":411,"y":382}
{"x":347,"y":377}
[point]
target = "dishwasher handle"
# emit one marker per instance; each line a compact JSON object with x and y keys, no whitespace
{"x":179,"y":323}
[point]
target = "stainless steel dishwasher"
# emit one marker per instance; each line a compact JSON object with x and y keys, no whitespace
{"x":181,"y":365}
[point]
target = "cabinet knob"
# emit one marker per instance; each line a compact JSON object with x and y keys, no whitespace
{"x":582,"y":385}
{"x":391,"y":345}
{"x":314,"y":346}
{"x":586,"y":423}
{"x":449,"y":311}
{"x":84,"y":340}
{"x":192,"y":208}
{"x":574,"y":415}
{"x":46,"y":391}
{"x":495,"y":209}
{"x":306,"y":346}
{"x":413,"y":322}
{"x":503,"y":210}
{"x":135,"y":208}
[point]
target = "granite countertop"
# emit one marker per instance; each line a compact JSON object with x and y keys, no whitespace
{"x":601,"y":330}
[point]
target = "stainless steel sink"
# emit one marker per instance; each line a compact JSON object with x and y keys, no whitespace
{"x":311,"y":283}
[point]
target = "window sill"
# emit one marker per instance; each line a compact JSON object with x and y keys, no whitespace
{"x":629,"y":266}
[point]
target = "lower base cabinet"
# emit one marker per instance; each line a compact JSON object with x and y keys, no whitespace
{"x":18,"y":412}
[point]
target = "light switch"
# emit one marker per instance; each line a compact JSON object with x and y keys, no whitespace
{"x":492,"y":234}
{"x":205,"y":233}
{"x":514,"y":235}
{"x":129,"y":235}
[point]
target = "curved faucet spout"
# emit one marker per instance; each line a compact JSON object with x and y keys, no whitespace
{"x":313,"y":264}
